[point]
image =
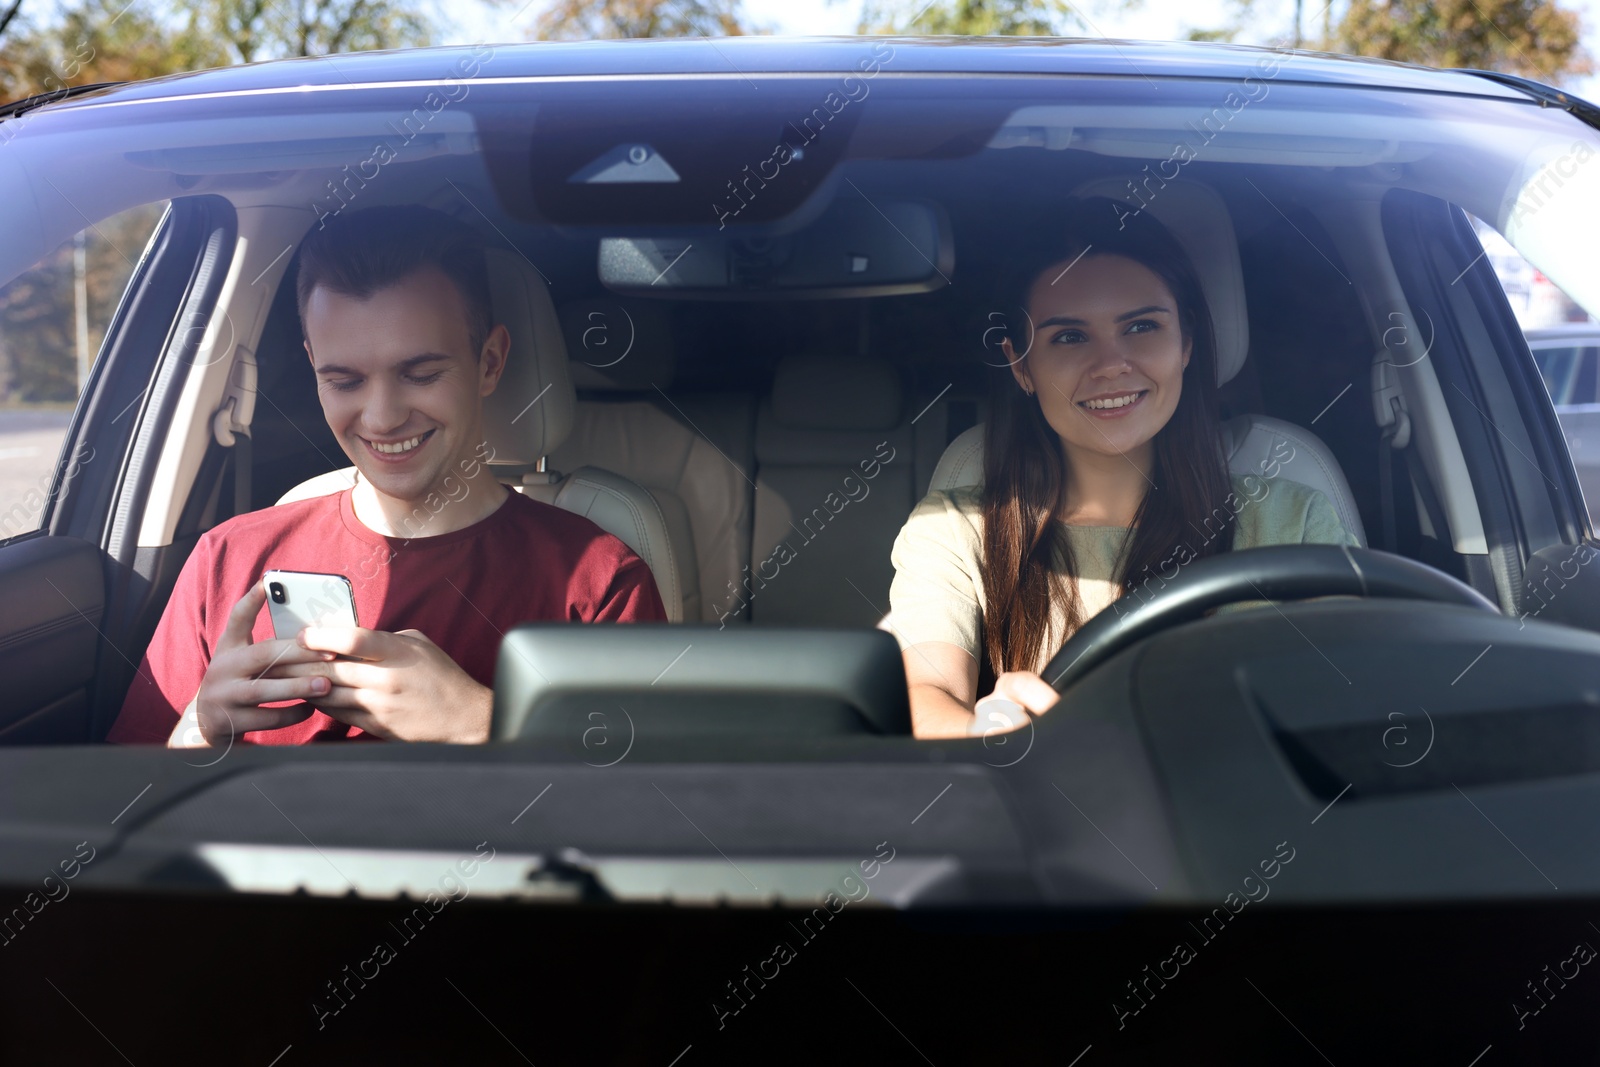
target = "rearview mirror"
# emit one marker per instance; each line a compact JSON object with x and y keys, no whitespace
{"x":855,"y":248}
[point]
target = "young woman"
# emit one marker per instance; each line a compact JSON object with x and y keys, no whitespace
{"x":1103,"y":467}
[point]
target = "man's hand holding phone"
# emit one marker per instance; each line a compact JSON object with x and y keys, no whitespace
{"x":399,"y":686}
{"x":243,"y":675}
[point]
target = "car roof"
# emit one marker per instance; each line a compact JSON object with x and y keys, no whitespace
{"x":741,"y":56}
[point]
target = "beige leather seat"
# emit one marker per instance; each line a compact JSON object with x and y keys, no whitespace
{"x":690,"y":450}
{"x":836,"y":474}
{"x":737,"y":479}
{"x":528,"y":417}
{"x":1200,"y":222}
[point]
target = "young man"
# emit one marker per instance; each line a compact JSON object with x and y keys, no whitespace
{"x":394,"y":304}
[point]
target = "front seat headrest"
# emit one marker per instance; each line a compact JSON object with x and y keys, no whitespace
{"x":1199,"y":221}
{"x":531,"y":411}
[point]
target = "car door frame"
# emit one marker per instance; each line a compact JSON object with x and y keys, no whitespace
{"x":1496,"y":395}
{"x":95,"y":636}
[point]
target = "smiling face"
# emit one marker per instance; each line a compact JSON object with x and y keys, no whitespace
{"x":1107,"y":357}
{"x":399,"y":383}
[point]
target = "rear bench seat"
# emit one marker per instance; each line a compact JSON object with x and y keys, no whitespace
{"x":841,"y":459}
{"x":776,"y":505}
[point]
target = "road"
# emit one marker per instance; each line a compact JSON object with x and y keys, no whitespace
{"x":30,"y":445}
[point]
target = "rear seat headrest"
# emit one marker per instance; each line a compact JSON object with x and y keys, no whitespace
{"x":617,"y":347}
{"x":829,"y":392}
{"x":531,"y":411}
{"x":1199,"y":221}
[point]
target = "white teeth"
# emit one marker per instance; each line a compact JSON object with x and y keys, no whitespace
{"x":1117,"y":402}
{"x":403,"y":446}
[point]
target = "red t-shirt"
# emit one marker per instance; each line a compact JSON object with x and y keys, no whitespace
{"x":527,"y":561}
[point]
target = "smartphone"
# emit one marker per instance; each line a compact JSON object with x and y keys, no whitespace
{"x":297,"y":599}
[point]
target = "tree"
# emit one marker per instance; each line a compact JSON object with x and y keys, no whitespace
{"x":8,"y":14}
{"x":38,"y":320}
{"x":112,"y":40}
{"x":96,"y":41}
{"x":1533,"y":38}
{"x":579,"y":20}
{"x":976,"y":18}
{"x":273,"y":29}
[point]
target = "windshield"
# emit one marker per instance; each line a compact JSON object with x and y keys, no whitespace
{"x":762,"y":329}
{"x":1053,"y":517}
{"x":694,"y":153}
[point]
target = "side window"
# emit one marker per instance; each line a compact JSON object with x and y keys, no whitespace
{"x":1559,"y":366}
{"x":53,"y":318}
{"x":1585,"y":384}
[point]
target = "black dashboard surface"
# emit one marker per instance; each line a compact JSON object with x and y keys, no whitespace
{"x":1395,"y":745}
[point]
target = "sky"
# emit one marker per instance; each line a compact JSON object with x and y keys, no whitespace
{"x":1153,"y":20}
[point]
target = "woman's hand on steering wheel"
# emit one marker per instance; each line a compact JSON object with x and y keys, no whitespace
{"x":1015,"y":694}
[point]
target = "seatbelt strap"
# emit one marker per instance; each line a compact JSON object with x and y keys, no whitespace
{"x":1389,"y":407}
{"x":1425,"y":489}
{"x":1386,"y":488}
{"x":243,"y":464}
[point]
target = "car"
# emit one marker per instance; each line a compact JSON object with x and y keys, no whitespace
{"x":749,"y":289}
{"x":1566,"y":357}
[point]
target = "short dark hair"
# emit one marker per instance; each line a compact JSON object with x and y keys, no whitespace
{"x":366,"y":251}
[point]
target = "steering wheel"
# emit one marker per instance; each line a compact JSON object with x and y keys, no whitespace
{"x":1273,"y":572}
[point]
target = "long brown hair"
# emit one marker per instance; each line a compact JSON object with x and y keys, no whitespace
{"x":1025,"y":472}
